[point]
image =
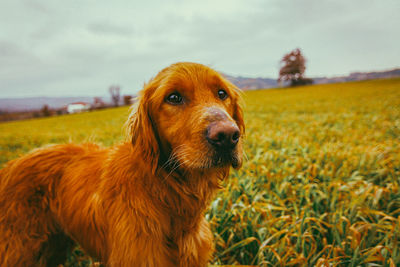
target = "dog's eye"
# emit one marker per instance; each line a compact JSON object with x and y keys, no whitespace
{"x":222,"y":94}
{"x":174,"y":98}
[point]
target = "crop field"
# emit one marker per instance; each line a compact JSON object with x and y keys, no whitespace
{"x":319,"y":186}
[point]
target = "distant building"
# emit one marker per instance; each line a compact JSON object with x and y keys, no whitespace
{"x":78,"y":107}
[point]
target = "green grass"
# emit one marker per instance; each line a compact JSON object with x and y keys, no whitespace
{"x":320,"y":184}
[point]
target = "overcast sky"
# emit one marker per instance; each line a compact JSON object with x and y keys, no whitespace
{"x":71,"y":48}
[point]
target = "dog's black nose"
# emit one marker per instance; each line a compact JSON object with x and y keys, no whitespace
{"x":223,"y":134}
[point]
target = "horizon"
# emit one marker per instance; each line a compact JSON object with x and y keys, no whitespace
{"x":82,"y":48}
{"x":106,"y":95}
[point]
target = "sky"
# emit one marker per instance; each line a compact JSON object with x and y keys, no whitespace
{"x":81,"y":48}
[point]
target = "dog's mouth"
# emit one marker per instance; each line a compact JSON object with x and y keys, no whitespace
{"x":187,"y":157}
{"x":225,"y":158}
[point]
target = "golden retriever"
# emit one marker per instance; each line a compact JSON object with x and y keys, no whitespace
{"x":141,"y":202}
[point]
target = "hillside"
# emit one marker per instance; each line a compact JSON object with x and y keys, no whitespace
{"x":258,"y":83}
{"x":252,"y":83}
{"x":35,"y":103}
{"x":359,"y":76}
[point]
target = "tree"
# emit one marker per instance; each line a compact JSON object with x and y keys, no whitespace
{"x":98,"y":103}
{"x":115,"y":94}
{"x":45,"y":111}
{"x":293,"y":67}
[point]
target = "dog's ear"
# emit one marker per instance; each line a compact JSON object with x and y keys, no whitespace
{"x":238,"y":111}
{"x":141,"y":129}
{"x":238,"y":116}
{"x":237,"y":104}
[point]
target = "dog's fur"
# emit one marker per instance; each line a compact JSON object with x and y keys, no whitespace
{"x":140,"y":203}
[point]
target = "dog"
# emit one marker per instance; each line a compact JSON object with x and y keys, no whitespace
{"x":141,"y":202}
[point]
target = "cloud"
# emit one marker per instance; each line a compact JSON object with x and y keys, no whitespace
{"x":81,"y":47}
{"x":105,"y":28}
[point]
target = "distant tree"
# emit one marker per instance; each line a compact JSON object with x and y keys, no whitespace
{"x":115,"y":94}
{"x":292,"y":69}
{"x":45,"y":111}
{"x":127,"y":100}
{"x":98,"y":103}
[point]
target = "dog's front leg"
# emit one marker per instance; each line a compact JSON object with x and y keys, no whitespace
{"x":140,"y":252}
{"x":196,"y":248}
{"x":138,"y":241}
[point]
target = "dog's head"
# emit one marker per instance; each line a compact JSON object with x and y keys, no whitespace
{"x":188,"y":117}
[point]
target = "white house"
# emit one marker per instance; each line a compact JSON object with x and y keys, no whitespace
{"x":78,"y":107}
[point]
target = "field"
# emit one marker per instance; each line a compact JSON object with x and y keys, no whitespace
{"x":320,"y":186}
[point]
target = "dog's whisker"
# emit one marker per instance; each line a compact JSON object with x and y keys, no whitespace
{"x":173,"y":156}
{"x":173,"y":170}
{"x":177,"y":163}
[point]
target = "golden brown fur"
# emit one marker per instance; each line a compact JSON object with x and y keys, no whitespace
{"x":140,"y":203}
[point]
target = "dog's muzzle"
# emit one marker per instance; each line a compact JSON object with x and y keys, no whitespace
{"x":223,"y":135}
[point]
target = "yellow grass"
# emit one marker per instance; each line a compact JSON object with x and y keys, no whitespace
{"x":320,"y":185}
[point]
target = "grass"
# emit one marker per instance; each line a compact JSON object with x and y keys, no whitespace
{"x":320,"y":185}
